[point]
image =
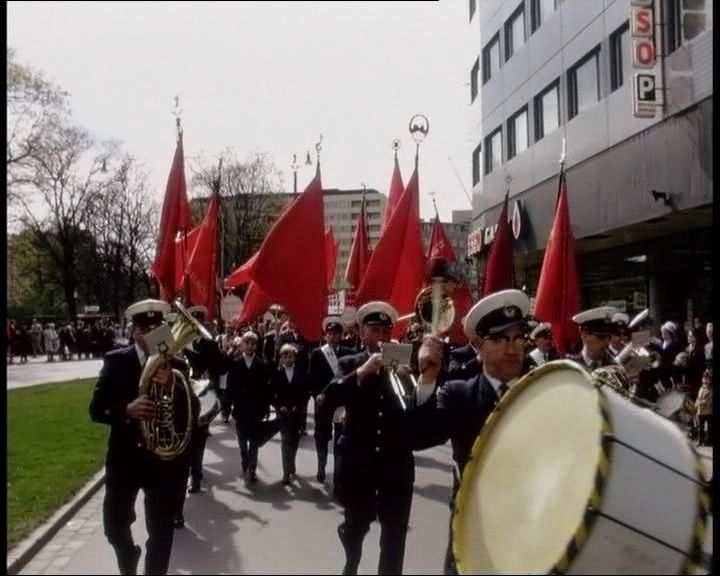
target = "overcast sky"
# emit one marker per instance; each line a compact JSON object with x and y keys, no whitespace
{"x":270,"y":77}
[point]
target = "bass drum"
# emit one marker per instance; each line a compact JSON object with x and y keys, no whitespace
{"x":569,"y":477}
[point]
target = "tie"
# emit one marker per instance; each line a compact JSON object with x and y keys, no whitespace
{"x":502,"y":389}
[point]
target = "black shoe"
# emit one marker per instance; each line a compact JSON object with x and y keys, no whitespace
{"x":321,"y":476}
{"x":194,"y":488}
{"x":286,"y":479}
{"x":179,"y":521}
{"x":252,"y":477}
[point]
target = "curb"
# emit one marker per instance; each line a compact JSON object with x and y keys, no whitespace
{"x":19,"y":556}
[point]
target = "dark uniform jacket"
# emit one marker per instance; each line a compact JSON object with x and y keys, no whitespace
{"x":320,"y":373}
{"x":205,"y":356}
{"x":464,"y":363}
{"x":249,"y":389}
{"x":606,"y":360}
{"x":292,"y":394}
{"x":375,"y":444}
{"x":117,"y":386}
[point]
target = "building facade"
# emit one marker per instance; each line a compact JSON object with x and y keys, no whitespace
{"x":628,"y":85}
{"x":342,"y":210}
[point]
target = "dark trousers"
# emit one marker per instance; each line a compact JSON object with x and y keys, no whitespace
{"x":225,"y":402}
{"x":290,"y":440}
{"x":197,"y":452}
{"x":323,"y":435}
{"x":121,"y":492}
{"x":705,"y":429}
{"x":247,"y":439}
{"x":390,"y":502}
{"x":449,"y":566}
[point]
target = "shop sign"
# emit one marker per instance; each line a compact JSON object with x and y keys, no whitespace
{"x":644,"y":56}
{"x":483,"y":237}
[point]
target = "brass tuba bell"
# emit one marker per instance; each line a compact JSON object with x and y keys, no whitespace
{"x":169,"y":434}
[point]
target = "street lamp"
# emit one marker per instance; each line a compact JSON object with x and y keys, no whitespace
{"x":295,"y":165}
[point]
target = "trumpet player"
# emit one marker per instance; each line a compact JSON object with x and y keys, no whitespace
{"x":595,"y":328}
{"x":129,"y":466}
{"x":619,"y":334}
{"x":376,"y":468}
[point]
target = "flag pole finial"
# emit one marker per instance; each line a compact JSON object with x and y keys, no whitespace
{"x":177,"y":112}
{"x":419,"y":128}
{"x":396,"y":146}
{"x":432,"y":195}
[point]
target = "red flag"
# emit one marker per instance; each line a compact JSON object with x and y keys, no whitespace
{"x":290,"y":266}
{"x":397,"y":265}
{"x":330,"y":256}
{"x":184,"y":246}
{"x":499,"y":267}
{"x":558,"y":293}
{"x":243,"y":274}
{"x":202,"y":268}
{"x":359,"y":252}
{"x":440,"y":247}
{"x":256,"y":302}
{"x":396,"y":190}
{"x":463,"y":301}
{"x":175,"y":217}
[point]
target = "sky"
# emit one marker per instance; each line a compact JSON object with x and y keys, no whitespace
{"x":266,"y":77}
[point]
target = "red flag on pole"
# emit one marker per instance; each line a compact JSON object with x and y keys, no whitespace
{"x":396,"y":190}
{"x":256,"y":302}
{"x":440,"y":247}
{"x":243,"y":274}
{"x":330,"y":256}
{"x":175,"y":218}
{"x":290,"y":267}
{"x":202,"y":267}
{"x":558,"y":293}
{"x":359,"y":252}
{"x":397,"y":265}
{"x":184,"y":246}
{"x":499,"y":267}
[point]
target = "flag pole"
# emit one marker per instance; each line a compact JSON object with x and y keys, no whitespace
{"x":218,"y":291}
{"x":177,"y":112}
{"x":563,"y":300}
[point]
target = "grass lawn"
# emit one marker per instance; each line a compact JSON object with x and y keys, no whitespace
{"x":53,"y":450}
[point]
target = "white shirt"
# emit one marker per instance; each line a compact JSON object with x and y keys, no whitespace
{"x":497,"y":383}
{"x":141,"y":355}
{"x":248,"y":360}
{"x":424,"y":391}
{"x":289,"y":371}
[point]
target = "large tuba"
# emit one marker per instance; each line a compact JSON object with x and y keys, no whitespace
{"x":434,"y":308}
{"x":168,"y":435}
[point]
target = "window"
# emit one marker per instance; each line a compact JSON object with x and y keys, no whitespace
{"x":583,"y":84}
{"x":619,"y":56}
{"x":473,"y":7}
{"x":515,"y":32}
{"x":493,"y":151}
{"x":541,"y":10}
{"x":476,"y":157}
{"x":474,"y":80}
{"x":547,"y":111}
{"x":491,"y":58}
{"x":517,"y":130}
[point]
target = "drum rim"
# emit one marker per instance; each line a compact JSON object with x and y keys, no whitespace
{"x":602,"y":466}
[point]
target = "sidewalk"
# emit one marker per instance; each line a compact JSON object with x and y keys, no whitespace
{"x":40,"y":371}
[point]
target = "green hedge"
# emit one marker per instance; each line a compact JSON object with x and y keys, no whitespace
{"x":53,"y":451}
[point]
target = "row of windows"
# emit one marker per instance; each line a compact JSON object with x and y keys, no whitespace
{"x":515,"y":36}
{"x":351,"y":216}
{"x":583,"y":92}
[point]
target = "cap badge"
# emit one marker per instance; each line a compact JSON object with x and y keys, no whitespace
{"x":384,"y":317}
{"x":510,"y":311}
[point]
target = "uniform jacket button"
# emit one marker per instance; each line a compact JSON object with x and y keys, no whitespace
{"x":377,"y":448}
{"x":139,"y":444}
{"x":380,"y":414}
{"x":379,"y":431}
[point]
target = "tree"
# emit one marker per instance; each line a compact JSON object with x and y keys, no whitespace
{"x":35,"y":106}
{"x":251,"y":202}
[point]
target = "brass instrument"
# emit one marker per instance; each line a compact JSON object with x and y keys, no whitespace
{"x":169,"y":434}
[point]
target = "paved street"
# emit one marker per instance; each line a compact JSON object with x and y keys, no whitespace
{"x":40,"y":371}
{"x":265,"y":529}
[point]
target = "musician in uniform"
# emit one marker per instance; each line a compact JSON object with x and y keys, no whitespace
{"x":458,"y":409}
{"x":204,"y":357}
{"x":595,"y":329}
{"x":376,"y":465}
{"x":129,"y":465}
{"x":619,"y":333}
{"x":465,"y":361}
{"x":324,"y":366}
{"x":544,"y":351}
{"x":250,"y":393}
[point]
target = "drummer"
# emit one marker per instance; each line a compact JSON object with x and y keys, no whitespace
{"x":459,"y":408}
{"x":596,"y":326}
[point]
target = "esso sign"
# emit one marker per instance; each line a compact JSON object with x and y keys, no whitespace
{"x":643,"y":53}
{"x":642,"y":23}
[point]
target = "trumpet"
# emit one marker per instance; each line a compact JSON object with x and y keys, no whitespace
{"x":434,"y":308}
